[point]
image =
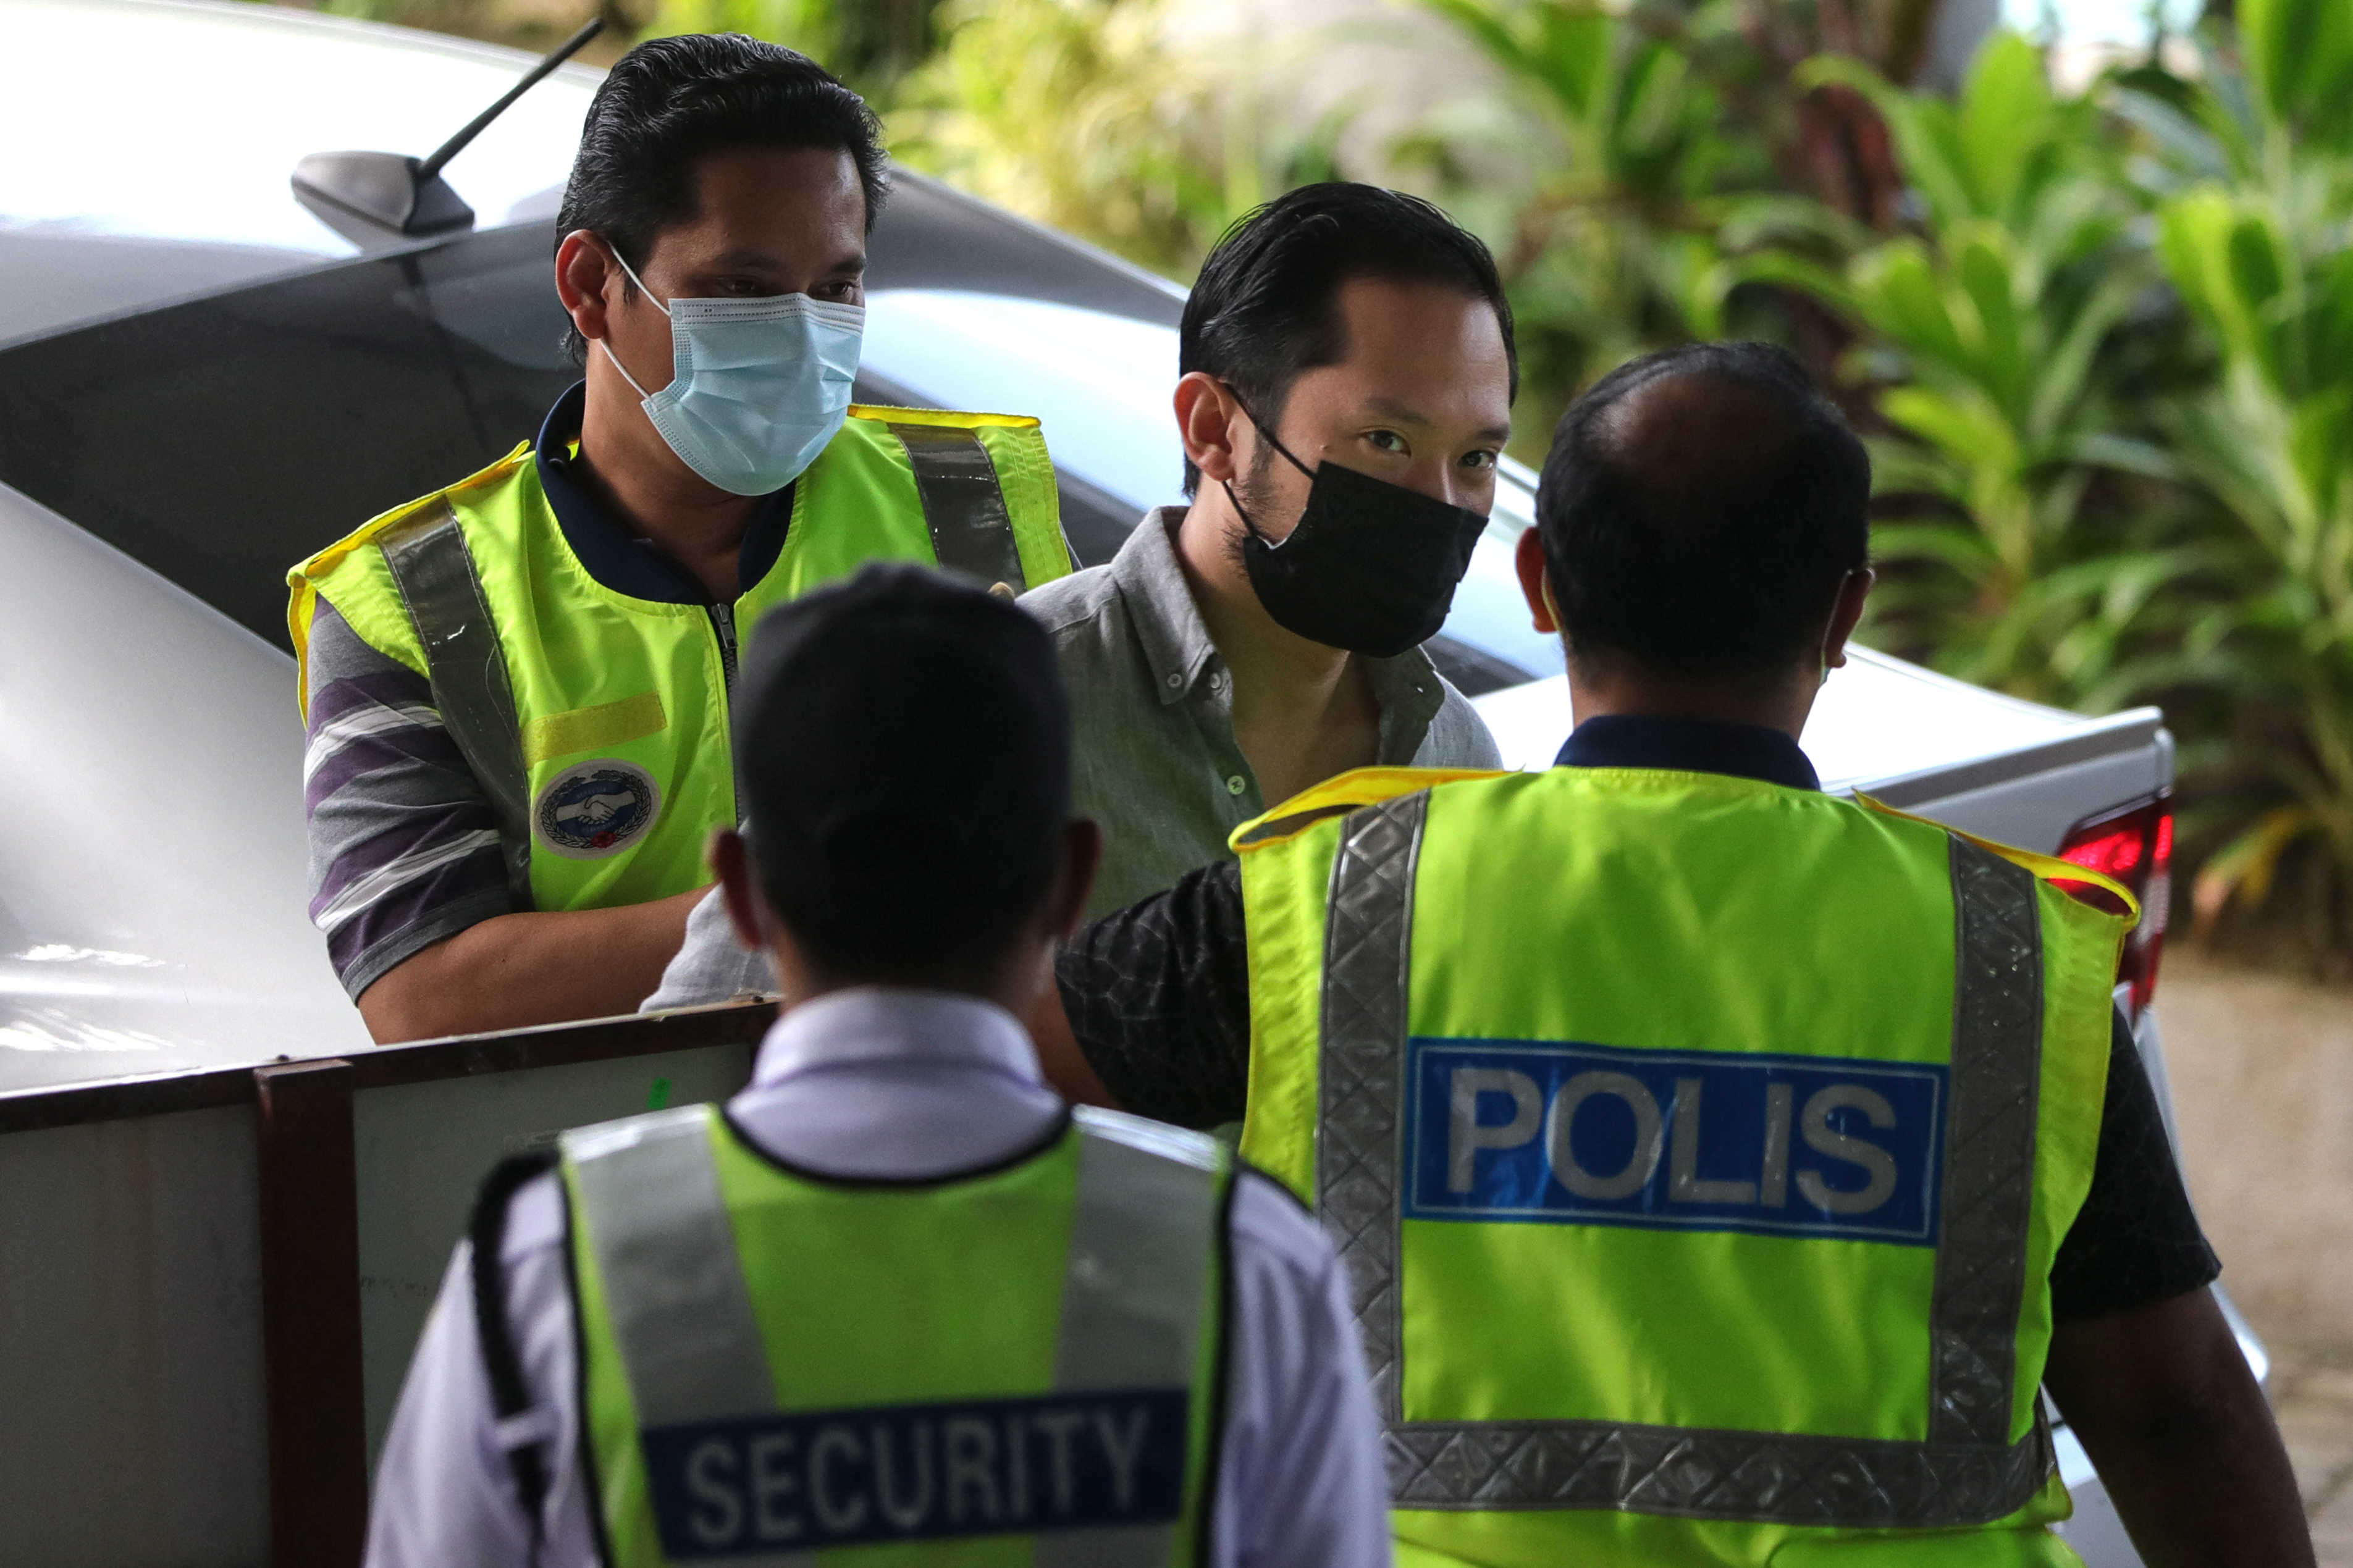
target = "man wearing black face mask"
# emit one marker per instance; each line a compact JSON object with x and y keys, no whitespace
{"x":1347,"y":378}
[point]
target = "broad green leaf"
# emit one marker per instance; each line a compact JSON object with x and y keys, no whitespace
{"x":1796,"y":271}
{"x":1900,"y":293}
{"x":1962,"y":548}
{"x":2299,"y":60}
{"x":1982,"y":267}
{"x":2005,"y":113}
{"x":1966,"y":428}
{"x":2201,"y":248}
{"x":2060,"y":379}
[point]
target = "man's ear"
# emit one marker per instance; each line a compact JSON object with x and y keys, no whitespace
{"x":731,"y":856}
{"x":1536,"y":582}
{"x":1206,"y":416}
{"x":584,"y":271}
{"x":1846,"y":614}
{"x":1081,"y":857}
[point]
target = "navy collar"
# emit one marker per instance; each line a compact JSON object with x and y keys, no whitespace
{"x":619,"y":559}
{"x":1688,"y":745}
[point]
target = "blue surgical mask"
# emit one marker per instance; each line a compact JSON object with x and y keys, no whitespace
{"x":758,"y":386}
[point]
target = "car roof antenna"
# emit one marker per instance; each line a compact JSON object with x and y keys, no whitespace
{"x":405,"y":196}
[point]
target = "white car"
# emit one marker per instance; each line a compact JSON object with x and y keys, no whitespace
{"x":202,"y":381}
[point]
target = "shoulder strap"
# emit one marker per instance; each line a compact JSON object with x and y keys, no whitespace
{"x":435,"y":574}
{"x":510,"y":1397}
{"x":963,"y":504}
{"x":2045,"y":867}
{"x":1342,"y":794}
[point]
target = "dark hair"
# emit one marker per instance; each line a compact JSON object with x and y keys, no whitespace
{"x":670,"y":101}
{"x":903,"y":744}
{"x":1266,"y":306}
{"x":1700,"y":509}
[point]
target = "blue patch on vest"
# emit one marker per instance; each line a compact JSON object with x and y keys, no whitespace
{"x":800,"y":1480}
{"x":1576,"y":1134}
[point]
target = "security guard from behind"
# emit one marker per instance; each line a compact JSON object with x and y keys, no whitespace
{"x":895,"y":1295}
{"x":517,"y":689}
{"x":1724,"y":1168}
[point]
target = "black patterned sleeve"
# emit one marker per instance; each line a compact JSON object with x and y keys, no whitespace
{"x":1158,"y":997}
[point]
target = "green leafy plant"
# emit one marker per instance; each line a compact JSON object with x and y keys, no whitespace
{"x":1088,"y":115}
{"x":1988,"y":335}
{"x":2262,"y":252}
{"x":870,"y":43}
{"x":1635,"y":209}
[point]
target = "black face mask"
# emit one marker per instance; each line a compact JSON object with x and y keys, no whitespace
{"x":1371,"y":567}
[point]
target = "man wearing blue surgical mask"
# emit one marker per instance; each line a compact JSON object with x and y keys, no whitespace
{"x":517,"y":689}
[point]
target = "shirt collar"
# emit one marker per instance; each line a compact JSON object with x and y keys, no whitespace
{"x":1688,"y":745}
{"x":880,"y":1026}
{"x":1160,"y":604}
{"x":1177,"y":643}
{"x":619,"y":559}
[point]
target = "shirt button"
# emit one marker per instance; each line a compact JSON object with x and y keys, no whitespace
{"x":1235,"y":785}
{"x":1174,"y":681}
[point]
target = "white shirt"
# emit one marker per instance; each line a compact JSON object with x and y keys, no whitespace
{"x":874,"y":1083}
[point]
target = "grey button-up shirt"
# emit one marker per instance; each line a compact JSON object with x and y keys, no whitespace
{"x":1152,"y":705}
{"x":1154,"y":761}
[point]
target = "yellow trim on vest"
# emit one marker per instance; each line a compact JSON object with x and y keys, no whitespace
{"x":1356,"y":788}
{"x":2046,"y":868}
{"x":594,"y":728}
{"x":946,"y":417}
{"x":303,"y":579}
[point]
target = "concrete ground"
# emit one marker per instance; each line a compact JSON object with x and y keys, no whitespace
{"x":2262,"y":1081}
{"x":2314,"y":1396}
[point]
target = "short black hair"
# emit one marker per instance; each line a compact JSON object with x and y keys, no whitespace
{"x":903,"y":745}
{"x":1266,"y":305}
{"x":1699,"y":511}
{"x":668,"y":102}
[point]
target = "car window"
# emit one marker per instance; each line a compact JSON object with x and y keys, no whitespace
{"x":221,"y":439}
{"x":53,"y":275}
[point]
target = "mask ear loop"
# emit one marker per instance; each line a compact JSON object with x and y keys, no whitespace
{"x":615,"y":251}
{"x":1260,"y":426}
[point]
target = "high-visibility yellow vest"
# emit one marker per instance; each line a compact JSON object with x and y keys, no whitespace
{"x":1698,"y":1148}
{"x":1009,"y":1369}
{"x":597,"y":722}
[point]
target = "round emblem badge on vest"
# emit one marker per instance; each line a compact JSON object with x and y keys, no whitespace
{"x":596,"y":809}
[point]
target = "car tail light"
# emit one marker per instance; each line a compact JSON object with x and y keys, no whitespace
{"x":2133,"y":845}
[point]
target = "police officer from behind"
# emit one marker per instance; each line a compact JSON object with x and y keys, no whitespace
{"x":1724,"y":1168}
{"x":895,"y":1291}
{"x":517,"y":689}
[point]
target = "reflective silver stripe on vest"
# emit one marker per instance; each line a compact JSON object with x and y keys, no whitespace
{"x":963,"y":504}
{"x":1367,"y":959}
{"x":665,"y":1251}
{"x":1143,"y":1234}
{"x":434,"y":573}
{"x":1967,"y":1472}
{"x":1133,"y":1292}
{"x":1989,"y":1178}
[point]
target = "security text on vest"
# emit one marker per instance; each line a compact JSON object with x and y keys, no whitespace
{"x":802,"y":1479}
